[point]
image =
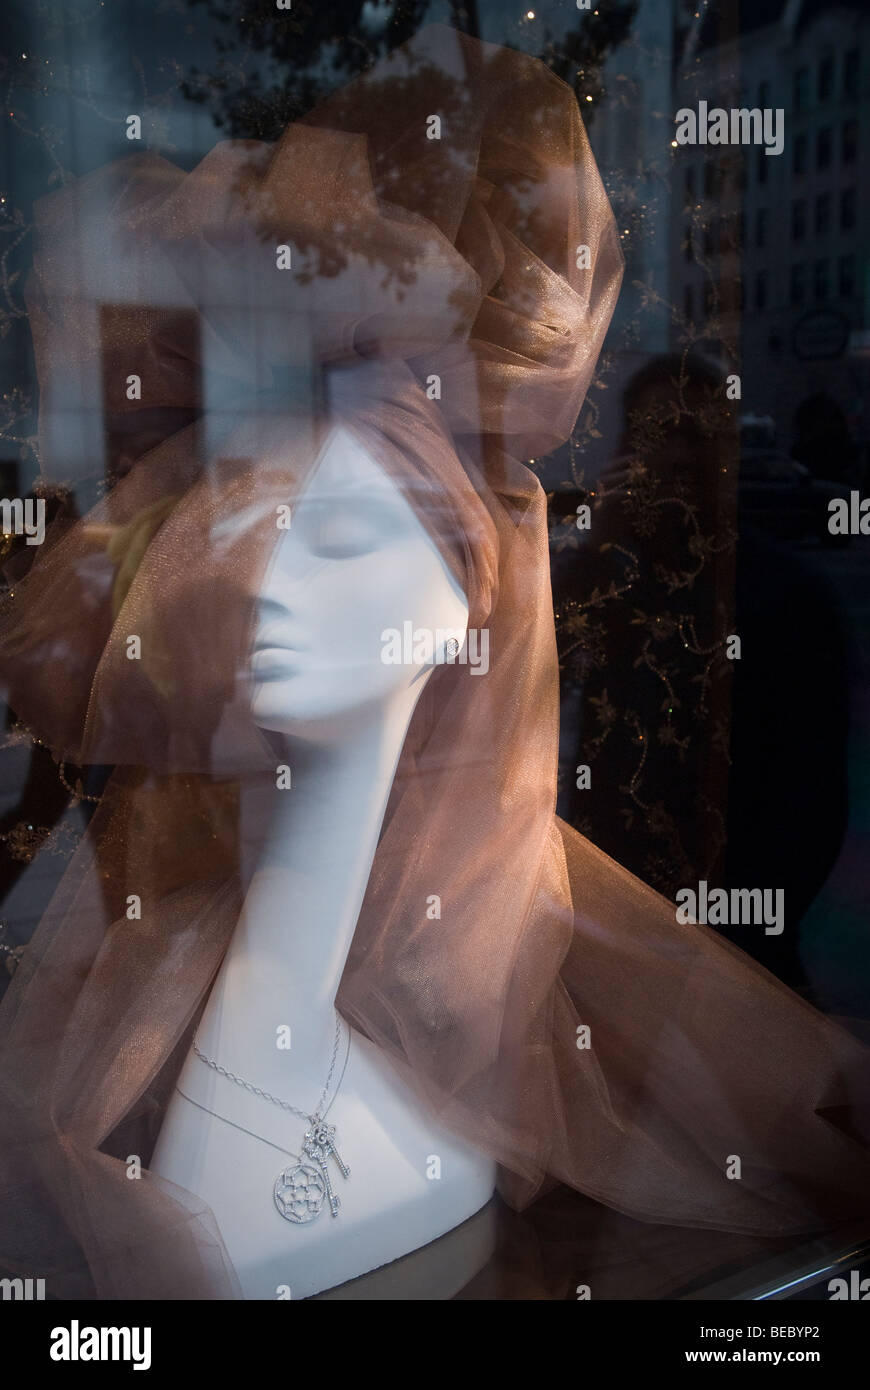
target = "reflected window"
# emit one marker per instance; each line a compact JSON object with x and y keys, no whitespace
{"x":761,"y":227}
{"x":849,"y":142}
{"x":846,"y":277}
{"x":131,"y":424}
{"x":823,"y":214}
{"x":761,"y":290}
{"x":711,"y":181}
{"x":821,"y":279}
{"x":709,"y":299}
{"x":761,"y":163}
{"x":847,"y":209}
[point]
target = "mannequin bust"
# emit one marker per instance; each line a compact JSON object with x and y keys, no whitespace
{"x":355,"y":562}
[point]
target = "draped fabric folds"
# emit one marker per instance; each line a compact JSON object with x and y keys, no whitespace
{"x":438,"y":301}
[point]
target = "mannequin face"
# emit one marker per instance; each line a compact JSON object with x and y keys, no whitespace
{"x":355,"y":562}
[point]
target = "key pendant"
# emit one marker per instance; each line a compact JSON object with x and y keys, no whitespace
{"x":332,"y":1197}
{"x":319,"y":1146}
{"x":342,"y":1168}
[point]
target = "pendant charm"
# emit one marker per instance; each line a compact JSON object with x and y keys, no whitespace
{"x":299,"y":1192}
{"x":319,"y":1145}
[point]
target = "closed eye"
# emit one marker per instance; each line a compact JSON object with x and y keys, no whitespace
{"x":339,"y":528}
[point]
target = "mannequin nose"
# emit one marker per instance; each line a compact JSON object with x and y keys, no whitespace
{"x":273,"y":619}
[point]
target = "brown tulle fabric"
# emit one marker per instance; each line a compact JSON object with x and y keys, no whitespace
{"x":412,"y":259}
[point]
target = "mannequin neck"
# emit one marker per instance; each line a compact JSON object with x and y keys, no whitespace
{"x":288,"y":952}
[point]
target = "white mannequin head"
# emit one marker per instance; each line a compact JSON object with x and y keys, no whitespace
{"x":355,"y":562}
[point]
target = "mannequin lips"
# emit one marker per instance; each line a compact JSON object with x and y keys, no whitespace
{"x":274,"y":637}
{"x":271,"y":662}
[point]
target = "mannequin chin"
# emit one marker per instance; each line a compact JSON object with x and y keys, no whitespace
{"x":355,"y":563}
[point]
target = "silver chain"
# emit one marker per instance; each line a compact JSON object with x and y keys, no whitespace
{"x":275,"y":1100}
{"x":216,"y":1116}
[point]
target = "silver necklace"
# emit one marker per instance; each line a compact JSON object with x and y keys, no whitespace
{"x":300,"y":1189}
